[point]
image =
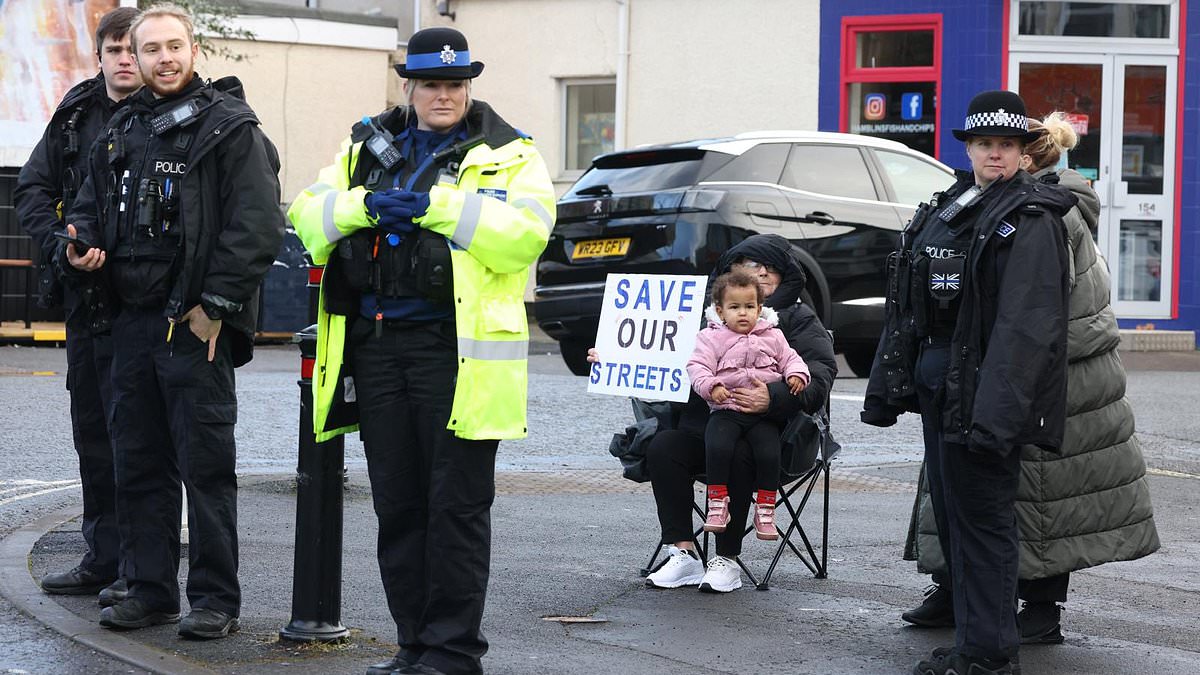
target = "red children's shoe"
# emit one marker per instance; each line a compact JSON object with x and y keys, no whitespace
{"x":718,"y":515}
{"x":764,"y":522}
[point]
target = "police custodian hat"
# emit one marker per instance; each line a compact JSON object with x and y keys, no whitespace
{"x":438,"y":54}
{"x":996,"y":113}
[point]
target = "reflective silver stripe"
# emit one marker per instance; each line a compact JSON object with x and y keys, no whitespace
{"x":317,"y":188}
{"x":481,"y":350}
{"x":537,"y":208}
{"x":332,"y":233}
{"x":468,"y":222}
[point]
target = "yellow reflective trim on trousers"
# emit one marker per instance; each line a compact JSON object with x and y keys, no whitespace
{"x":328,"y":226}
{"x":486,"y":350}
{"x":537,"y":208}
{"x":468,"y":220}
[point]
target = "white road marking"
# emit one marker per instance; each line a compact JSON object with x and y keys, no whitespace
{"x":9,"y":500}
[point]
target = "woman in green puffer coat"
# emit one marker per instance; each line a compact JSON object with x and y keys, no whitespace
{"x":1090,"y":504}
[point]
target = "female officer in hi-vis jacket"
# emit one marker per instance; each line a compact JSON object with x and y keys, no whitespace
{"x":427,"y":222}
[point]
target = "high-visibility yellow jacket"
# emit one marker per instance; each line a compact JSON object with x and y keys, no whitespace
{"x":497,"y":219}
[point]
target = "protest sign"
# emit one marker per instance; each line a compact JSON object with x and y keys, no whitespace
{"x":648,"y":326}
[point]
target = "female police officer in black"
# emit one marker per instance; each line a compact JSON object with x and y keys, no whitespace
{"x":428,"y":221}
{"x":975,"y":340}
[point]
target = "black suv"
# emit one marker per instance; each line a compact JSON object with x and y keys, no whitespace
{"x":673,"y":209}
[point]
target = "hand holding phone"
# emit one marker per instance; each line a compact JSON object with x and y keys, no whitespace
{"x":81,"y":246}
{"x":80,"y":254}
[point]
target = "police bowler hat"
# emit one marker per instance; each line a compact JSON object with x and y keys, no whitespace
{"x":438,"y":54}
{"x":996,"y":113}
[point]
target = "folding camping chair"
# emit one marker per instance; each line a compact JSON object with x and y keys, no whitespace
{"x":803,"y":462}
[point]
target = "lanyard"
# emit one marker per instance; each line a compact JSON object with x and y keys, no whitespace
{"x":407,"y":149}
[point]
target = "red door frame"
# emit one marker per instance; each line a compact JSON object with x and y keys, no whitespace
{"x":850,"y":73}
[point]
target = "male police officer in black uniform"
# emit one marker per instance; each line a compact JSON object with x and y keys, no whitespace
{"x":45,"y":191}
{"x":182,"y":204}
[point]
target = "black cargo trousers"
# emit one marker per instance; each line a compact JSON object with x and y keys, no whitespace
{"x":432,"y":491}
{"x":172,"y":421}
{"x":89,"y":381}
{"x":974,"y":503}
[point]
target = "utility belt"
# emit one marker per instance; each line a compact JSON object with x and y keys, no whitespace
{"x":416,"y":266}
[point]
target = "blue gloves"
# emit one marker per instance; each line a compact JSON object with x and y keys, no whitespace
{"x":393,"y":210}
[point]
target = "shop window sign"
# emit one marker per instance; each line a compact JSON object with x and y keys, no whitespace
{"x":891,"y":72}
{"x":899,"y":111}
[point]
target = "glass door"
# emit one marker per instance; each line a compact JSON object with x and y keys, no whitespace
{"x":1141,"y":199}
{"x":1123,"y":108}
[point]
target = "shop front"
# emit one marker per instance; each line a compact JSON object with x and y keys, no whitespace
{"x":1116,"y":68}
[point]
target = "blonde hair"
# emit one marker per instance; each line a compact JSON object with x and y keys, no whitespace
{"x":157,"y":11}
{"x":1055,"y":135}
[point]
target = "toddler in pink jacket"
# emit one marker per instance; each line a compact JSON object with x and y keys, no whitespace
{"x":741,"y":345}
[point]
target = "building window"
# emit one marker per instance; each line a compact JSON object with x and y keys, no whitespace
{"x":589,"y":120}
{"x":891,"y":78}
{"x":1094,"y":19}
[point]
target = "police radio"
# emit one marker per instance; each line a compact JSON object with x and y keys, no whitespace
{"x":381,"y":144}
{"x":149,"y":201}
{"x":71,"y":134}
{"x":116,"y":146}
{"x":970,"y":197}
{"x":179,"y":116}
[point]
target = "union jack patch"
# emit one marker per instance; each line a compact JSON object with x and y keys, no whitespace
{"x":1005,"y":229}
{"x":944,"y":282}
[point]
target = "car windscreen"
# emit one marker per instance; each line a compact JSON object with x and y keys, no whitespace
{"x":645,"y":171}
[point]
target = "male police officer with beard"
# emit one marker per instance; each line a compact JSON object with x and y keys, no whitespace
{"x":182,"y":205}
{"x":46,"y":188}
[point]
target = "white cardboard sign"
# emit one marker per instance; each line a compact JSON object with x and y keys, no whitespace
{"x":648,"y":327}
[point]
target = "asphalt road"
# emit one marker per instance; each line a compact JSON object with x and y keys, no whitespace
{"x":1145,"y":611}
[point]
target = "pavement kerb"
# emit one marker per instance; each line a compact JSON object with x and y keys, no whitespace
{"x":18,"y":586}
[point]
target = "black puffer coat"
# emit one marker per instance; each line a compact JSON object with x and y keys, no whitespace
{"x":799,"y":323}
{"x":1006,"y":384}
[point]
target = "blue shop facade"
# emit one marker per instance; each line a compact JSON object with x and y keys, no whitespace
{"x":1127,"y":73}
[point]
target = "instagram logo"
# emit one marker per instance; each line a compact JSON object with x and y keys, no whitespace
{"x":875,"y":106}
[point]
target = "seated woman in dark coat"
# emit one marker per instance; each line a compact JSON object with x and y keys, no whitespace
{"x":674,"y":456}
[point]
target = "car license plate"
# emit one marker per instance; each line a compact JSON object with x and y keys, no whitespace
{"x":600,"y":248}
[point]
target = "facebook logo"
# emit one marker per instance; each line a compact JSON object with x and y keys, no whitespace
{"x":910,"y":106}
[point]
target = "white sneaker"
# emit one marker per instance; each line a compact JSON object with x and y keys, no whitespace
{"x":681,"y":569}
{"x":723,"y":575}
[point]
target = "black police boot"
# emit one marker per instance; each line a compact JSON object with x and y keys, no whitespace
{"x":419,"y":669}
{"x":78,"y":581}
{"x":113,"y":593}
{"x":945,"y":661}
{"x":400,"y":660}
{"x":1040,"y":624}
{"x":937,"y":611}
{"x":133,"y":613}
{"x":208,"y":624}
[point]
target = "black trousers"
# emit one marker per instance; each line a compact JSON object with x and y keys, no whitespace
{"x":977,"y":524}
{"x":89,"y":367}
{"x":172,"y":422}
{"x":725,"y":428}
{"x":674,"y":459}
{"x":1046,"y":589}
{"x":432,"y":491}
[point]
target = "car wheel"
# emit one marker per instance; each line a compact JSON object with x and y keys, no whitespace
{"x":574,"y":354}
{"x":860,"y":358}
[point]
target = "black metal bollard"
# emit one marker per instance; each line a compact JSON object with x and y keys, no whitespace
{"x":317,"y":570}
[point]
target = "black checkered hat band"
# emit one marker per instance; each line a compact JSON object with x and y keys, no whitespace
{"x":998,"y":118}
